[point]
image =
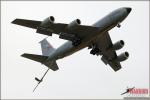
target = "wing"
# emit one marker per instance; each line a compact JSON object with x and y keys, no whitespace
{"x":27,"y":23}
{"x":58,"y":28}
{"x":109,"y":56}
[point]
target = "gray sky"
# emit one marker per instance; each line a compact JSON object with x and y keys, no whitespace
{"x":81,"y":75}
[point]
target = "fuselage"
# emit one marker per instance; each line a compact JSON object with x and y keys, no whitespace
{"x":104,"y":25}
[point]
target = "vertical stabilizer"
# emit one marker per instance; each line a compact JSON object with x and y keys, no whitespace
{"x":46,"y":47}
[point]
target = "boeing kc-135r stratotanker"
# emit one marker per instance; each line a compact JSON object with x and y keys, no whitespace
{"x":95,"y":37}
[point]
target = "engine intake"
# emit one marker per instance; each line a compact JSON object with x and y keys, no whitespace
{"x":73,"y":25}
{"x":123,"y":56}
{"x":118,"y":45}
{"x":48,"y":21}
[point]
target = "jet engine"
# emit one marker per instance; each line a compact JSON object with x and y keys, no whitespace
{"x":118,"y":45}
{"x":123,"y":56}
{"x":48,"y":21}
{"x":43,"y":28}
{"x":73,"y":25}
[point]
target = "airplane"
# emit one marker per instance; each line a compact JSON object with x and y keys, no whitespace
{"x":128,"y":90}
{"x":95,"y":37}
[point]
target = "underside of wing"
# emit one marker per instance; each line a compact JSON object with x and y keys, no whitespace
{"x":73,"y":31}
{"x":104,"y":46}
{"x":115,"y":65}
{"x":27,"y":23}
{"x":48,"y":26}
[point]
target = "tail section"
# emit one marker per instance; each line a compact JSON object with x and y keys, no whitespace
{"x":46,"y":50}
{"x":46,"y":47}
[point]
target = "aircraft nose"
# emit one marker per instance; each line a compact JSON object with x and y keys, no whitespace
{"x":128,"y":10}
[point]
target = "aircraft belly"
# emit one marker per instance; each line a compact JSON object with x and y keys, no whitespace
{"x":70,"y":49}
{"x":66,"y":50}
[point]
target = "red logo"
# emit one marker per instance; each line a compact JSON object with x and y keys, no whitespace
{"x":136,"y":92}
{"x":139,"y":91}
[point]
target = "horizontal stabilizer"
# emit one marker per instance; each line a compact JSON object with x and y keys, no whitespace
{"x":38,"y":58}
{"x":27,"y":23}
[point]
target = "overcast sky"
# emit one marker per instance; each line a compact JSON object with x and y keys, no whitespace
{"x":81,"y":75}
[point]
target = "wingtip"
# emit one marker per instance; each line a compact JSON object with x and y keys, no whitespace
{"x":23,"y":55}
{"x":13,"y":22}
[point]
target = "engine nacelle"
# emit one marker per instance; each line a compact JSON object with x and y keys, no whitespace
{"x":123,"y":56}
{"x":73,"y":25}
{"x":43,"y":28}
{"x":118,"y":45}
{"x":48,"y":21}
